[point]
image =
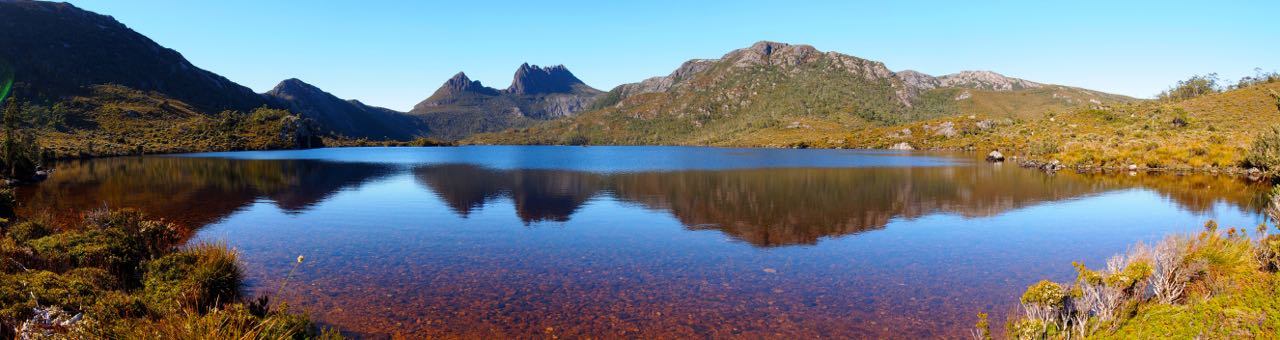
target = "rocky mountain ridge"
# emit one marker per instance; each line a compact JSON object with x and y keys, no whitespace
{"x":462,"y":107}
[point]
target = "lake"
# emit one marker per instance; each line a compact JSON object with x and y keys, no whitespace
{"x":646,"y":242}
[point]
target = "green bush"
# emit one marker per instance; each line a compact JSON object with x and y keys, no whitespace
{"x":1265,"y":152}
{"x":202,"y":277}
{"x":25,"y":231}
{"x":122,"y":273}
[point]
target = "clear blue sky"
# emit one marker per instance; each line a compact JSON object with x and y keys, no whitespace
{"x":395,"y":53}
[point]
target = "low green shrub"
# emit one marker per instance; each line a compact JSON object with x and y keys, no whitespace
{"x":202,"y":277}
{"x":25,"y":231}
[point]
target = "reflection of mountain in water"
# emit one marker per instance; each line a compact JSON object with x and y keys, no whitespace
{"x":539,"y":195}
{"x":772,"y":207}
{"x":764,"y":207}
{"x":193,"y":191}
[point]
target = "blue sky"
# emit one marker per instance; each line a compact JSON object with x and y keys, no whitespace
{"x":395,"y":53}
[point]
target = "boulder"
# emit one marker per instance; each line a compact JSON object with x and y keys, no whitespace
{"x":946,"y":129}
{"x":1254,"y":174}
{"x":1054,"y":165}
{"x":901,"y":146}
{"x":1133,"y":167}
{"x":995,"y":156}
{"x":985,"y":124}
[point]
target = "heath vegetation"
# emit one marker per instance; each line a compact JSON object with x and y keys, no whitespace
{"x":118,"y":275}
{"x":1216,"y":284}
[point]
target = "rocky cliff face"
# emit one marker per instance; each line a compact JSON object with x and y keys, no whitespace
{"x":462,"y":107}
{"x":58,"y":50}
{"x":349,"y":118}
{"x":534,"y":80}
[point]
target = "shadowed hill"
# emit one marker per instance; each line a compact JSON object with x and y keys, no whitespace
{"x":350,"y":118}
{"x":58,"y":50}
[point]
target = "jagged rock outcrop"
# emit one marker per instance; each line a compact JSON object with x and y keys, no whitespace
{"x":533,"y":80}
{"x":349,"y":118}
{"x":462,"y":107}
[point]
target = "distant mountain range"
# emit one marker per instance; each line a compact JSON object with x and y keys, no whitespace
{"x":58,"y":50}
{"x":777,"y":86}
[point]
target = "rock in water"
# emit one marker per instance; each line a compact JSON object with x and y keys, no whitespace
{"x":995,"y":156}
{"x":901,"y":146}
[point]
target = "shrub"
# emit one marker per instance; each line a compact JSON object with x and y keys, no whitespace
{"x":1269,"y":253}
{"x":230,"y":322}
{"x":982,"y":330}
{"x":24,"y":231}
{"x":201,"y":277}
{"x":120,"y":273}
{"x":118,"y":241}
{"x":1265,"y":152}
{"x":8,"y":203}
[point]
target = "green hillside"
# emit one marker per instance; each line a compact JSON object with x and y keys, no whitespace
{"x":758,"y":95}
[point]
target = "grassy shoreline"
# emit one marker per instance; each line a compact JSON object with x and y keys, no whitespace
{"x":118,"y":275}
{"x":1210,"y":133}
{"x":1215,"y":284}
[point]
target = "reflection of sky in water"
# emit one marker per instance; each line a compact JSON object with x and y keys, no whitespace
{"x":606,"y":158}
{"x":651,"y":242}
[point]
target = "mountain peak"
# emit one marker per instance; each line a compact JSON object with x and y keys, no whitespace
{"x":350,"y":118}
{"x":292,"y":86}
{"x":460,"y":83}
{"x":532,"y":79}
{"x":772,"y":53}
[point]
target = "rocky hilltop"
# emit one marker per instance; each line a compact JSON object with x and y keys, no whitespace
{"x":462,"y":107}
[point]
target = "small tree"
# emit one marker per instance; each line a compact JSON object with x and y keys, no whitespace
{"x":11,"y":118}
{"x":1197,"y":85}
{"x":21,"y":154}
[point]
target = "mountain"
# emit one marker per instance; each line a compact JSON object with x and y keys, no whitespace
{"x":59,"y":50}
{"x":780,"y":88}
{"x":462,"y":107}
{"x":350,"y":118}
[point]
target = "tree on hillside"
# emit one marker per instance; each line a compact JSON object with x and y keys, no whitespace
{"x":1258,"y":78}
{"x":1197,"y":85}
{"x":21,"y":154}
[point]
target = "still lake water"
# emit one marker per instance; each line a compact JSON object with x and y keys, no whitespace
{"x":646,"y":242}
